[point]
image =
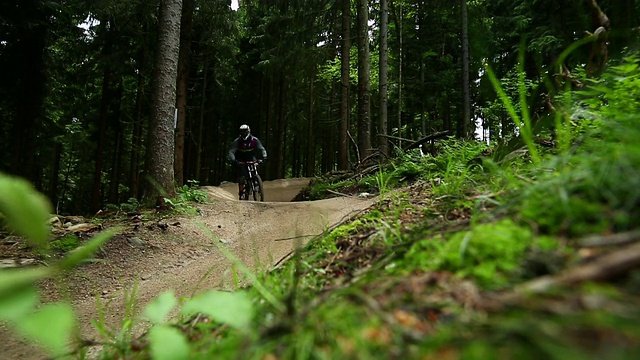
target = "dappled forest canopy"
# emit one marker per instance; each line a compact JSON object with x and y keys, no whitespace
{"x":76,"y":85}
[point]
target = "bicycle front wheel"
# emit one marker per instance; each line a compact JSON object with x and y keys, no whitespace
{"x":258,"y":190}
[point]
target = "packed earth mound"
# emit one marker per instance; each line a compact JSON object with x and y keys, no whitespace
{"x":181,"y":254}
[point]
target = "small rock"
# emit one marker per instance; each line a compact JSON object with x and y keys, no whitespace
{"x":163,"y":225}
{"x":82,"y":227}
{"x":224,"y":241}
{"x":135,"y":241}
{"x":55,"y":222}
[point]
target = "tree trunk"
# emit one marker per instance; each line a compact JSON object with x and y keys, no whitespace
{"x":364,"y":85}
{"x":136,"y":146}
{"x":30,"y":89}
{"x":199,"y":147}
{"x":343,"y":148}
{"x":114,"y":183}
{"x":272,"y":123}
{"x":160,"y":154}
{"x":311,"y":151}
{"x":96,"y":200}
{"x":182,"y":89}
{"x":466,"y":98}
{"x":281,"y":145}
{"x":400,"y":58}
{"x":55,"y":173}
{"x":383,"y":73}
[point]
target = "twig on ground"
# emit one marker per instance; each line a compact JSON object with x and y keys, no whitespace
{"x":607,"y":266}
{"x":609,"y":240}
{"x":296,"y":237}
{"x":341,"y":194}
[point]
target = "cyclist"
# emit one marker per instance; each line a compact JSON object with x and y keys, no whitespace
{"x":243,"y":149}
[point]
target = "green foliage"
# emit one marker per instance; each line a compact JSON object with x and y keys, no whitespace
{"x":158,"y":309}
{"x":118,"y":338}
{"x":50,"y":326}
{"x":25,"y":210}
{"x":489,"y":253}
{"x":186,"y":196}
{"x":522,"y":118}
{"x":597,"y":187}
{"x":191,"y":192}
{"x":131,"y":205}
{"x":232,"y":308}
{"x":168,"y":343}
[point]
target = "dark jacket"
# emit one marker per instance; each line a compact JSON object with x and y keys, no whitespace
{"x":245,"y":150}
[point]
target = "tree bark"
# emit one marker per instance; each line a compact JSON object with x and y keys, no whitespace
{"x":160,"y":154}
{"x":136,"y":146}
{"x":114,"y":182}
{"x":466,"y":98}
{"x":199,"y":147}
{"x":281,"y":145}
{"x":29,"y":87}
{"x":400,"y":60}
{"x":364,"y":85}
{"x":96,"y":189}
{"x":383,"y":73}
{"x":182,"y":89}
{"x":343,"y":141}
{"x":311,"y":151}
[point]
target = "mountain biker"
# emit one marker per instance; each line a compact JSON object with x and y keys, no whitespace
{"x":243,"y":149}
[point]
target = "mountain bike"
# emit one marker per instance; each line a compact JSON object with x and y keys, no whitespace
{"x":252,"y":182}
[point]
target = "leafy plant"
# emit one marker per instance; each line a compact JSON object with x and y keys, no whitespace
{"x":51,"y":325}
{"x":185,"y":196}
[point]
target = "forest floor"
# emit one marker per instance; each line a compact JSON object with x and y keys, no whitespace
{"x":180,"y":254}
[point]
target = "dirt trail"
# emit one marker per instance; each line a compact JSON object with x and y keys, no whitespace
{"x":185,"y":259}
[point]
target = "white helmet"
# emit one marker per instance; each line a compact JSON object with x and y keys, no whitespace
{"x":245,"y":131}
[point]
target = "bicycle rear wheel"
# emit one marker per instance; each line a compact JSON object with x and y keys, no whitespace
{"x":258,"y":190}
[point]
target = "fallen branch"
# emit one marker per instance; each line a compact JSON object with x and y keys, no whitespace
{"x":395,"y":137}
{"x":609,"y":240}
{"x":341,"y":194}
{"x":415,"y":144}
{"x":608,"y":266}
